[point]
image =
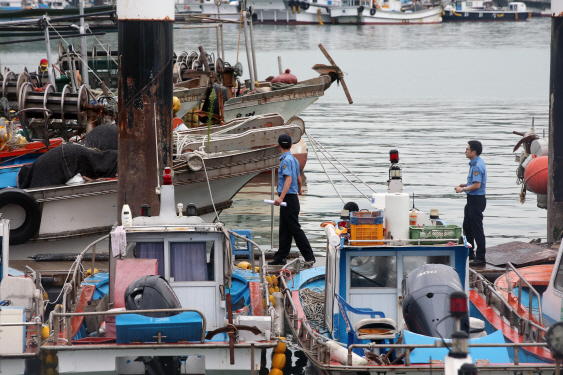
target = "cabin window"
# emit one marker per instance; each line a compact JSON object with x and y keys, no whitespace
{"x":558,"y":284}
{"x":150,"y":250}
{"x":373,"y":272}
{"x":191,"y":261}
{"x":412,"y":262}
{"x":469,"y":3}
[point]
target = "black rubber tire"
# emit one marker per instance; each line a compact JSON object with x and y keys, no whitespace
{"x":361,"y":9}
{"x":32,"y":220}
{"x":305,"y":5}
{"x":372,"y":11}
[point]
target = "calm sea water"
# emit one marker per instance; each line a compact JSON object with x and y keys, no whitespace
{"x":423,"y":90}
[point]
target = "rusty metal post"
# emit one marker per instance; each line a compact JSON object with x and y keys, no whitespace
{"x":145,"y":47}
{"x":555,"y":180}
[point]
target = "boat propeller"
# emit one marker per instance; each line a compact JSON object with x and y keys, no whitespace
{"x":333,"y":71}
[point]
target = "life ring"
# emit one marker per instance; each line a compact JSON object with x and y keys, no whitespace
{"x":361,"y":9}
{"x":30,"y":226}
{"x":305,"y":5}
{"x":372,"y":11}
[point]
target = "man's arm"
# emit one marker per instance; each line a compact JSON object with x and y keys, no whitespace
{"x":474,"y":186}
{"x":286,"y":187}
{"x":299,"y":185}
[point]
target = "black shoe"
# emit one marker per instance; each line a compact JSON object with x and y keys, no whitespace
{"x":471,"y":255}
{"x":477,"y":263}
{"x":277,"y":262}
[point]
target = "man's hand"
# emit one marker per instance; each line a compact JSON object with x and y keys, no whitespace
{"x":459,"y":189}
{"x":278,"y":201}
{"x":300,"y":191}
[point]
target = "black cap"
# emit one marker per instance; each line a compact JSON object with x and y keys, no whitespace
{"x":285,"y":140}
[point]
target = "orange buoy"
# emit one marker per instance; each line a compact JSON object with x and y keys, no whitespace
{"x":536,"y":174}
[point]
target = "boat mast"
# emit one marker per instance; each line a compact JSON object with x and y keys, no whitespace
{"x":145,"y":45}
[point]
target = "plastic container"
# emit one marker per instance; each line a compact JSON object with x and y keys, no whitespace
{"x":366,"y":217}
{"x":440,"y":234}
{"x":366,"y":232}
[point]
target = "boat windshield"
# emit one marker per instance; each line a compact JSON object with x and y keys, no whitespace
{"x":558,"y":284}
{"x":412,"y":262}
{"x":373,"y":272}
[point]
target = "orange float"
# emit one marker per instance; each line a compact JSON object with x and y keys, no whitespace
{"x":536,"y":174}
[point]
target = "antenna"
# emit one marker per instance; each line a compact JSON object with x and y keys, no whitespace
{"x":413,"y":200}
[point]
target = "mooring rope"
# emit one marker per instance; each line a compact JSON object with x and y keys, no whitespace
{"x":322,"y":165}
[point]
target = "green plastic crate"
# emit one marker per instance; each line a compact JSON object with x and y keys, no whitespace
{"x":439,"y":233}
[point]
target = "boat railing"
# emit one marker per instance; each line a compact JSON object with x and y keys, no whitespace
{"x":35,"y":340}
{"x":439,"y":344}
{"x":67,"y":317}
{"x":521,"y":279}
{"x":411,"y":241}
{"x":530,"y":331}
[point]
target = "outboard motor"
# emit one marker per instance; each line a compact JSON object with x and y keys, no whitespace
{"x":151,"y":292}
{"x":426,"y":300}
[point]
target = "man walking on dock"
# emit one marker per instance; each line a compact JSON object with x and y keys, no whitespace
{"x":476,"y":203}
{"x":289,"y":185}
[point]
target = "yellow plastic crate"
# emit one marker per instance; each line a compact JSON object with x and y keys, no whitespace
{"x":366,"y":232}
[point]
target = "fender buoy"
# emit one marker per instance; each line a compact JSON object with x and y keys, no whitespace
{"x":536,"y":174}
{"x":372,"y":11}
{"x":305,"y":5}
{"x":361,"y":9}
{"x":30,"y":226}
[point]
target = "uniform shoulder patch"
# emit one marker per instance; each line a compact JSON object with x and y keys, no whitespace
{"x":284,"y":166}
{"x":476,"y":173}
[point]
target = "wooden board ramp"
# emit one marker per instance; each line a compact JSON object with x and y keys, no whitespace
{"x":520,"y":254}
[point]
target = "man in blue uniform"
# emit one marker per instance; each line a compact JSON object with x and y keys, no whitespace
{"x":476,"y":203}
{"x":289,"y":185}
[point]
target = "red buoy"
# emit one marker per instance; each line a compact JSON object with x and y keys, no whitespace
{"x":536,"y":173}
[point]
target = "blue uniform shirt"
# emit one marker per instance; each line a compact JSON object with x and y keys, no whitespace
{"x":289,"y":166}
{"x":477,"y":173}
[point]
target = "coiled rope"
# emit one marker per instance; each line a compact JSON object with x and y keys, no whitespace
{"x":313,"y":302}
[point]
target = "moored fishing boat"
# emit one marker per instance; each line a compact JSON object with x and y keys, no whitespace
{"x":483,"y":10}
{"x":390,"y":299}
{"x":384,"y":12}
{"x":171,"y":298}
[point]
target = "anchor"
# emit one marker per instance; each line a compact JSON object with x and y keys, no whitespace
{"x":231,"y":329}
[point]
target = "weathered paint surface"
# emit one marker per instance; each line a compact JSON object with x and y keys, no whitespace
{"x":555,"y":181}
{"x":145,"y":102}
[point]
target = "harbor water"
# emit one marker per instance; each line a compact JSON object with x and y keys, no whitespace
{"x":424,"y":90}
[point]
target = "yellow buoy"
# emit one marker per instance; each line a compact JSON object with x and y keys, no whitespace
{"x":264,"y":302}
{"x":276,"y":371}
{"x":256,"y":269}
{"x":271,"y":290}
{"x":272,"y":301}
{"x":45,"y":296}
{"x":278,"y":361}
{"x":45,"y":332}
{"x":176,"y":105}
{"x":269,"y":279}
{"x":89,"y":272}
{"x":244,"y":265}
{"x":276,"y":289}
{"x":281,"y":347}
{"x":275,"y":281}
{"x":51,"y":361}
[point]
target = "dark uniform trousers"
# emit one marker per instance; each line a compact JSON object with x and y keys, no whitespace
{"x":473,"y":224}
{"x":291,"y":229}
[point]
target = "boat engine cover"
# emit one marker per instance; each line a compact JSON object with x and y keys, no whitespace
{"x":426,"y":300}
{"x":151,"y":292}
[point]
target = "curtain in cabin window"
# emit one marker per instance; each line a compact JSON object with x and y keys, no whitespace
{"x":188,"y":261}
{"x":151,"y":250}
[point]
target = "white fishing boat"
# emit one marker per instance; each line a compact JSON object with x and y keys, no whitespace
{"x":56,"y":219}
{"x":384,"y":12}
{"x":171,"y":302}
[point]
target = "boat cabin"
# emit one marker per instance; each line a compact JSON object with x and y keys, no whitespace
{"x":517,"y":7}
{"x":474,"y":5}
{"x":370,"y":277}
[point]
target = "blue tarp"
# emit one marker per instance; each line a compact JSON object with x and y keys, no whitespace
{"x":494,"y":355}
